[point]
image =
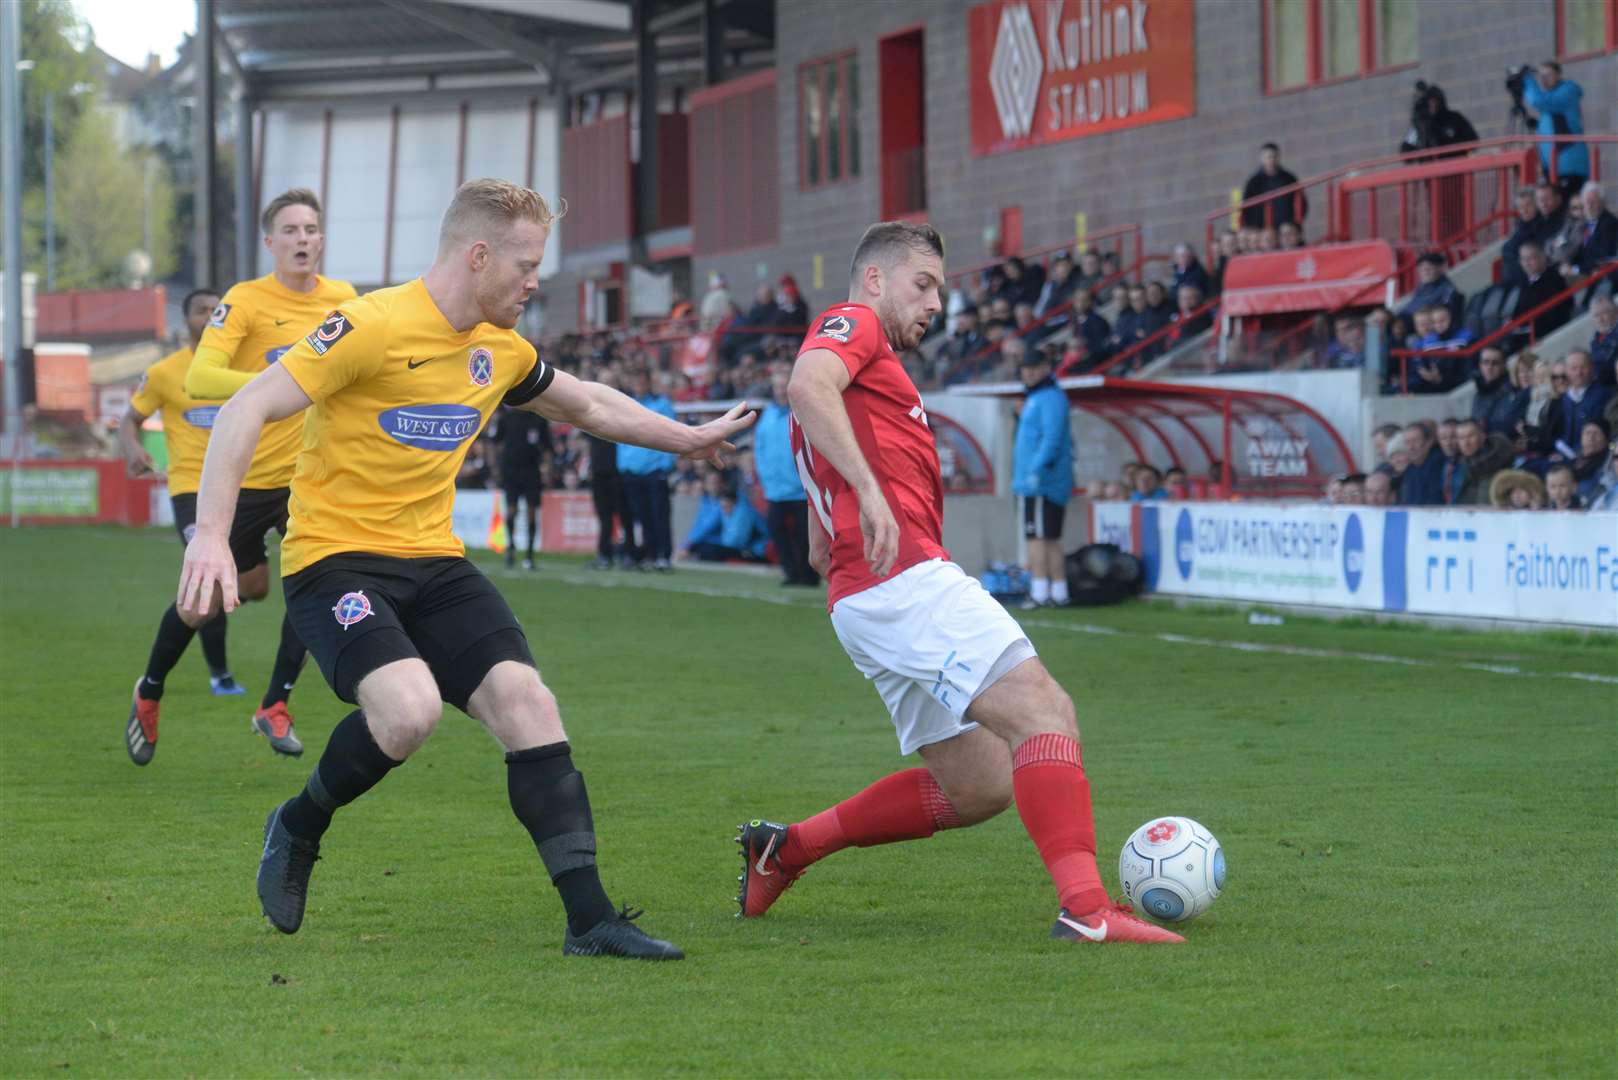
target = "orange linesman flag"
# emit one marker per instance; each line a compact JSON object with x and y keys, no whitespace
{"x":498,"y":540}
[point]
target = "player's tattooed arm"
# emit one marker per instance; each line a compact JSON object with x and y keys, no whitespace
{"x":616,"y":417}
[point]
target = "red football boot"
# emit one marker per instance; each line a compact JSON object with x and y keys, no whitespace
{"x":140,"y":732}
{"x":762,"y":879}
{"x":1115,"y":922}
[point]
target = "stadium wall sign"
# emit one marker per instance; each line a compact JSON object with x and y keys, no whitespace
{"x":1044,"y":71}
{"x":1531,"y":567}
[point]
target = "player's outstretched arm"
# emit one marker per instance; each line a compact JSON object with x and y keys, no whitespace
{"x":816,"y":393}
{"x":272,"y":395}
{"x":137,"y":462}
{"x":211,"y":376}
{"x":608,"y":414}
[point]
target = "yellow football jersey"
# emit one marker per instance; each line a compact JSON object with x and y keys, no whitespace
{"x":255,"y":323}
{"x":187,"y":421}
{"x":398,"y":397}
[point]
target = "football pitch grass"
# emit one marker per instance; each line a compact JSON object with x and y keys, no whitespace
{"x":1419,"y":825}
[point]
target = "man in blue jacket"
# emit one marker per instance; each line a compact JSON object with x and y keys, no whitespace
{"x":1042,"y":471}
{"x":1423,"y":481}
{"x":778,"y":474}
{"x":725,"y":527}
{"x":646,"y":484}
{"x":1558,"y":103}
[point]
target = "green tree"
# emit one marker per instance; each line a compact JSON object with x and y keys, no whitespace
{"x":51,"y":35}
{"x":101,"y":208}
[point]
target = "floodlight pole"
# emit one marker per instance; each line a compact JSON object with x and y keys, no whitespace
{"x":202,"y":157}
{"x":11,"y":181}
{"x":50,"y":191}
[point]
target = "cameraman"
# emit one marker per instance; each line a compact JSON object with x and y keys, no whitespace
{"x":1557,"y":101}
{"x":1433,"y":123}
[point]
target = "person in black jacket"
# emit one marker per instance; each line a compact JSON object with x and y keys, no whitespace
{"x":1498,"y":405}
{"x":1433,"y":123}
{"x":1272,"y":177}
{"x":1188,"y":270}
{"x":525,"y":443}
{"x":1542,"y":283}
{"x":1528,"y":228}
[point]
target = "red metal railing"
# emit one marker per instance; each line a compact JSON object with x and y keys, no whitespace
{"x":1331,"y":189}
{"x":1504,"y":332}
{"x":1124,"y":359}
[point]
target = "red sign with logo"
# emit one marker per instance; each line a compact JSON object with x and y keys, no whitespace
{"x":567,"y":521}
{"x":1044,"y":71}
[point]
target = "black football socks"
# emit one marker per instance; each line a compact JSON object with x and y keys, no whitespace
{"x":351,"y":765}
{"x":212,"y":634}
{"x":548,"y":796}
{"x":173,"y":635}
{"x":288,"y":662}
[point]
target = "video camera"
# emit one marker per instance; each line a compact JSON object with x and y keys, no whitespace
{"x":1516,"y":82}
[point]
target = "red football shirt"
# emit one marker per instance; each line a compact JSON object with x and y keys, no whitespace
{"x":891,"y":427}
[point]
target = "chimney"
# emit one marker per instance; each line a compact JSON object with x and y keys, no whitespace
{"x":154,"y":65}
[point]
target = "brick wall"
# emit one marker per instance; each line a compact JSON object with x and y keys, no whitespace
{"x":1167,"y":176}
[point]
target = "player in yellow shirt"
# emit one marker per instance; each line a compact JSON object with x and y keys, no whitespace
{"x":253,"y":325}
{"x":186,"y":424}
{"x":398,"y":384}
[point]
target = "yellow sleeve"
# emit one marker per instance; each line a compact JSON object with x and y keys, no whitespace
{"x":346,"y":347}
{"x":149,"y":395}
{"x":210,"y":375}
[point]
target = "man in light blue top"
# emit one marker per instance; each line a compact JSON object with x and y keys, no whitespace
{"x":646,"y":484}
{"x":725,"y":528}
{"x":1558,"y":103}
{"x":778,"y":475}
{"x":1042,"y":474}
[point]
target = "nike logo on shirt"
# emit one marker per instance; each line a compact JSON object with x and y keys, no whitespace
{"x":282,"y":322}
{"x":414,"y":364}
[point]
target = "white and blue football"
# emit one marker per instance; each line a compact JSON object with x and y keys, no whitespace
{"x":1172,"y":869}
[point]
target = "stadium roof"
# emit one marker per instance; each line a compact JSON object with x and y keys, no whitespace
{"x":323,"y":49}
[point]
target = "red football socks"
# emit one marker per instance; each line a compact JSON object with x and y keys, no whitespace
{"x":908,"y":805}
{"x":1053,"y":800}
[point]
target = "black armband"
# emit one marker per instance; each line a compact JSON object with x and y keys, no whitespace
{"x":535,"y":383}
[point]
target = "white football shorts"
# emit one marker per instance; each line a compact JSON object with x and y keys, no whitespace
{"x":932,"y":639}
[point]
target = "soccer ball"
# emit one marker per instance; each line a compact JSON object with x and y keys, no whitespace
{"x":1172,"y":869}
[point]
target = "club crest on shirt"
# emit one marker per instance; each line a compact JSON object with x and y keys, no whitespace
{"x":836,"y":327}
{"x":220,"y":314}
{"x":480,"y":366}
{"x":329,"y":333}
{"x":350,"y":608}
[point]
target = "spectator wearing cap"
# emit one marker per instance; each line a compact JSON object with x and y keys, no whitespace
{"x":1595,"y":442}
{"x":1042,"y":475}
{"x":716,"y":302}
{"x":789,"y":302}
{"x":1604,"y":342}
{"x":1435,"y":289}
{"x":1597,"y":237}
{"x":1480,"y":457}
{"x":1423,"y":481}
{"x":1497,"y":405}
{"x":1347,"y":348}
{"x":1188,"y":270}
{"x":1582,"y":402}
{"x":1270,"y":177}
{"x":1562,"y":489}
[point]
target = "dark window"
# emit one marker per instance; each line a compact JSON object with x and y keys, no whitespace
{"x":828,"y":136}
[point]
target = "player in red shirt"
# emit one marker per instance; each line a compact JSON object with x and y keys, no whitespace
{"x":960,"y":679}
